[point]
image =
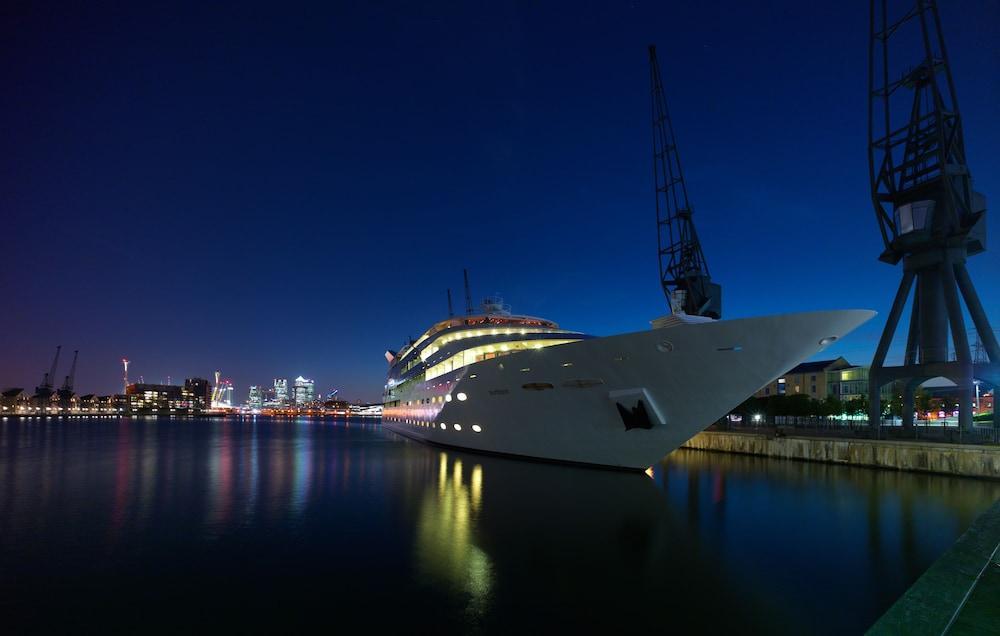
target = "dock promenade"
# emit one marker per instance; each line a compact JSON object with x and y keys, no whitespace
{"x":958,"y":593}
{"x":966,"y":460}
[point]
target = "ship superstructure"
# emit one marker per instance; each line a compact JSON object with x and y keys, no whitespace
{"x":422,"y":373}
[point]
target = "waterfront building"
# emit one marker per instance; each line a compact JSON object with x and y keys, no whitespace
{"x":14,"y":400}
{"x":280,"y":392}
{"x":88,"y":403}
{"x":851,"y":383}
{"x":117,"y":403}
{"x":305,"y":391}
{"x":984,"y":403}
{"x":256,"y":398}
{"x":808,"y":378}
{"x":160,"y":399}
{"x":201,"y":392}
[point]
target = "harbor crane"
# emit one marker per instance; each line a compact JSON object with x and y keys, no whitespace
{"x":928,"y":215}
{"x":44,"y":391}
{"x":67,"y":388}
{"x":684,"y":273}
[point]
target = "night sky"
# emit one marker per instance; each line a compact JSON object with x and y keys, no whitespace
{"x":280,"y":190}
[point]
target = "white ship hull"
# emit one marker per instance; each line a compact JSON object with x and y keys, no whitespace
{"x":572,"y":402}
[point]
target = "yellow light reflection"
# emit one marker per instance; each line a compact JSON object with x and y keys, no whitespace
{"x":446,"y":529}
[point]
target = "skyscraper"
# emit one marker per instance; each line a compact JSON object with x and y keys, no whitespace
{"x":256,"y":399}
{"x":281,"y":391}
{"x":305,"y":391}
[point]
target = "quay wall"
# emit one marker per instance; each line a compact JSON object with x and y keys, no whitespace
{"x":946,"y":459}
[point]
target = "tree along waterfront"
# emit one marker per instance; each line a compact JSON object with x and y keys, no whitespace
{"x":927,"y":406}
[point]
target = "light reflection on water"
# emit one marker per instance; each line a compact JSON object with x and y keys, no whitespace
{"x":446,"y":553}
{"x":157,"y":525}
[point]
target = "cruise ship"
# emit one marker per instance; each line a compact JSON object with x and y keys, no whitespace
{"x":508,"y":384}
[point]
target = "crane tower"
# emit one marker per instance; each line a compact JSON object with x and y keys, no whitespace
{"x":684,"y":272}
{"x":929,"y":216}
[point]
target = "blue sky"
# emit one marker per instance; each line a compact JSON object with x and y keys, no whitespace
{"x":274,"y":191}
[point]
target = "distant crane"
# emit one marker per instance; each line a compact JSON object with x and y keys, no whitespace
{"x":468,"y":293}
{"x":929,"y":216}
{"x":684,"y":273}
{"x":44,"y":391}
{"x":217,"y":390}
{"x":66,"y":392}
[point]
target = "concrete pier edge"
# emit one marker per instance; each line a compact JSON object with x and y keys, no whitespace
{"x":930,"y":457}
{"x":959,"y":593}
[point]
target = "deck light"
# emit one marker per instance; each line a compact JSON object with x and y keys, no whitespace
{"x":462,"y":397}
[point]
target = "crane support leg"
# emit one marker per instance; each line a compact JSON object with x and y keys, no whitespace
{"x":875,"y":380}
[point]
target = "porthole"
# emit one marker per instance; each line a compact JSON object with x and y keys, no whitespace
{"x":477,"y":428}
{"x":665,"y":346}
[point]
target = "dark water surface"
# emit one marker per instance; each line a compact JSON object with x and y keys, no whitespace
{"x":233,"y":525}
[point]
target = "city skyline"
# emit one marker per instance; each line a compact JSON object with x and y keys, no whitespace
{"x":263,"y":203}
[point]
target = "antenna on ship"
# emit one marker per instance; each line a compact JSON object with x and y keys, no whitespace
{"x":468,"y":294}
{"x":683,"y":269}
{"x":451,"y":311}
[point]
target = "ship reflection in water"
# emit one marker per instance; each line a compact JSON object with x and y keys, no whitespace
{"x":265,"y":526}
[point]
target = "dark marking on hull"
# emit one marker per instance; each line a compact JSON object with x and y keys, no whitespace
{"x":636,"y":417}
{"x":537,"y":386}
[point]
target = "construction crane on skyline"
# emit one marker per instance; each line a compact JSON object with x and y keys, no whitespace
{"x":684,"y":273}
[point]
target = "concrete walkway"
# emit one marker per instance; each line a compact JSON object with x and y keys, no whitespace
{"x":960,"y":593}
{"x":932,"y":457}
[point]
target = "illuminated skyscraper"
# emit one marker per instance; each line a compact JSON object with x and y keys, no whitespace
{"x":256,"y":399}
{"x":305,"y":391}
{"x":281,"y":391}
{"x":225,"y":394}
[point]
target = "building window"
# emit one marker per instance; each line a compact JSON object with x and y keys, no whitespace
{"x":814,"y":388}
